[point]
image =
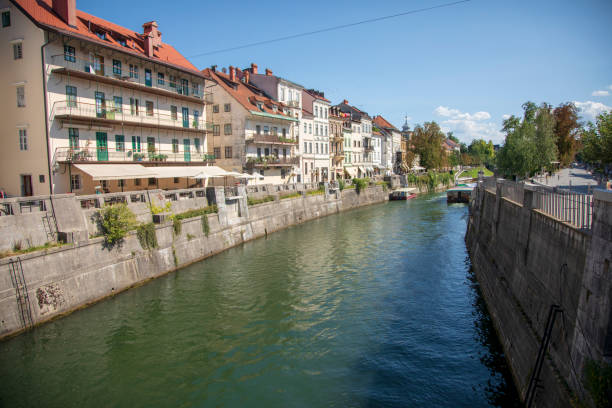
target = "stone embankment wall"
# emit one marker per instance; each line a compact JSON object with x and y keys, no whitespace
{"x":526,"y":261}
{"x":63,"y":279}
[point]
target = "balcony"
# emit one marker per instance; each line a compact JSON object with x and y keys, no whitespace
{"x":103,"y":113}
{"x":368,"y":148}
{"x":271,"y":161}
{"x":271,"y":139}
{"x":104,"y":154}
{"x":338,"y":156}
{"x":337,"y":138}
{"x":293,"y":104}
{"x":98,"y":71}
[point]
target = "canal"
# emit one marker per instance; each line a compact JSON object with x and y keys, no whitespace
{"x":372,"y":307}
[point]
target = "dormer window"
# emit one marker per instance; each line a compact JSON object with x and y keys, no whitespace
{"x":101,"y":35}
{"x":274,"y":108}
{"x":260,"y":106}
{"x":122,"y":42}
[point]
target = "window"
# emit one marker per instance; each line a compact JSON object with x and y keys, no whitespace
{"x":75,"y":182}
{"x":152,"y":181}
{"x":266,"y":130}
{"x":227,"y":107}
{"x":151,"y":144}
{"x":134,"y":71}
{"x":196,"y":118}
{"x":23,"y":139}
{"x":136,"y":182}
{"x":69,"y":54}
{"x":41,"y":178}
{"x":20,"y":96}
{"x":228,"y":152}
{"x":149,"y":105}
{"x":71,"y":96}
{"x":176,"y":180}
{"x":101,"y":35}
{"x":195,"y":89}
{"x":184,"y":87}
{"x":122,"y":42}
{"x":227,"y":129}
{"x":196,"y":144}
{"x":6,"y":19}
{"x":259,"y":152}
{"x":274,"y":131}
{"x":217,"y":152}
{"x":310,"y":128}
{"x":160,"y":79}
{"x":310,"y":147}
{"x":282,"y":95}
{"x":134,"y":106}
{"x":119,"y":143}
{"x":305,"y":128}
{"x":258,"y":129}
{"x":173,"y":112}
{"x":17,"y":51}
{"x":316,"y":148}
{"x":136,"y":143}
{"x":284,"y":133}
{"x":172,"y":81}
{"x":267,"y":151}
{"x":216,"y":130}
{"x":215,"y":108}
{"x":326,"y":134}
{"x":305,"y":147}
{"x":283,"y":173}
{"x":120,"y":183}
{"x":73,"y":138}
{"x":175,"y":147}
{"x":118,"y":102}
{"x":116,"y":67}
{"x":260,"y":106}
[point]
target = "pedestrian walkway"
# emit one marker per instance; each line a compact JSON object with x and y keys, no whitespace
{"x":575,"y":179}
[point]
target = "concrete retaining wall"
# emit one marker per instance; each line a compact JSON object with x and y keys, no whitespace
{"x":63,"y":279}
{"x":526,"y":261}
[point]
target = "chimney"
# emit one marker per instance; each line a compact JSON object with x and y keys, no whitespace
{"x":224,"y":70}
{"x":232,"y":73}
{"x":345,"y":102}
{"x":254,"y":68}
{"x":268,"y":72}
{"x":247,"y":77}
{"x":213,"y":68}
{"x":148,"y":45}
{"x":66,"y":9}
{"x":150,"y":29}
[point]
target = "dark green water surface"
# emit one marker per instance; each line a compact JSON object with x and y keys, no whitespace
{"x":372,"y":307}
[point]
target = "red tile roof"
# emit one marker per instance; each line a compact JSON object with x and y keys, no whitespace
{"x":42,"y":14}
{"x":246,"y":95}
{"x":383,"y":123}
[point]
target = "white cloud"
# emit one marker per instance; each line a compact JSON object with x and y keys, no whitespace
{"x":590,"y":110}
{"x":506,"y":116}
{"x":469,"y":126}
{"x":600,"y":93}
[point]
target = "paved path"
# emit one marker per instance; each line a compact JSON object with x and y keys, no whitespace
{"x":576,"y":179}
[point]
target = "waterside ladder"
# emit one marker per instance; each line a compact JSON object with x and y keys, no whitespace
{"x":21,"y":292}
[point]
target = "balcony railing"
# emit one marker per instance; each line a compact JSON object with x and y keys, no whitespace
{"x":271,"y":139}
{"x":104,"y":154}
{"x":271,"y":161}
{"x":105,"y":71}
{"x":368,"y":148}
{"x":105,"y":111}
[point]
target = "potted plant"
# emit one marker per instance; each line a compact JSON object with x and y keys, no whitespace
{"x":138,"y":156}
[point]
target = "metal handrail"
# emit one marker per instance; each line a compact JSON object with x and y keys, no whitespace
{"x":122,"y":114}
{"x":97,"y":154}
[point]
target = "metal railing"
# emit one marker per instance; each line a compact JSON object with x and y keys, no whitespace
{"x":127,"y":114}
{"x":570,"y":207}
{"x":123,"y":74}
{"x":272,"y":139}
{"x":104,"y":154}
{"x":271,"y":161}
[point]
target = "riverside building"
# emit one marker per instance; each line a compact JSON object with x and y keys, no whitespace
{"x":317,"y":159}
{"x":336,"y":142}
{"x":91,"y":105}
{"x":251,"y":131}
{"x":391,"y":148}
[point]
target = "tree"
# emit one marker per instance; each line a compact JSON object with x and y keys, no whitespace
{"x":481,"y":151}
{"x":452,"y":137}
{"x":566,"y":131}
{"x":427,"y":144}
{"x":530,"y":144}
{"x":597,"y":140}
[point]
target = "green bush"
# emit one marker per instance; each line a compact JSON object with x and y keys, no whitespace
{"x":292,"y":195}
{"x":255,"y":201}
{"x":115,"y":222}
{"x":205,"y":226}
{"x":146,"y":236}
{"x":177,"y":226}
{"x":196,"y":213}
{"x":319,"y":191}
{"x":158,"y":210}
{"x":341,"y":184}
{"x":360,"y":184}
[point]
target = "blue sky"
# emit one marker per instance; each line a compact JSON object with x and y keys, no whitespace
{"x":464,"y":66}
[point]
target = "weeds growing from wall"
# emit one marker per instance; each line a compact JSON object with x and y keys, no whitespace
{"x":146,"y":236}
{"x":205,"y":226}
{"x":115,"y":222}
{"x":177,"y":226}
{"x":255,"y":201}
{"x":360,"y":184}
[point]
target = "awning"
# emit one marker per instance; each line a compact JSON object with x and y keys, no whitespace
{"x":213,"y":171}
{"x":115,"y":171}
{"x":362,"y":170}
{"x":352,"y":171}
{"x":176,"y":171}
